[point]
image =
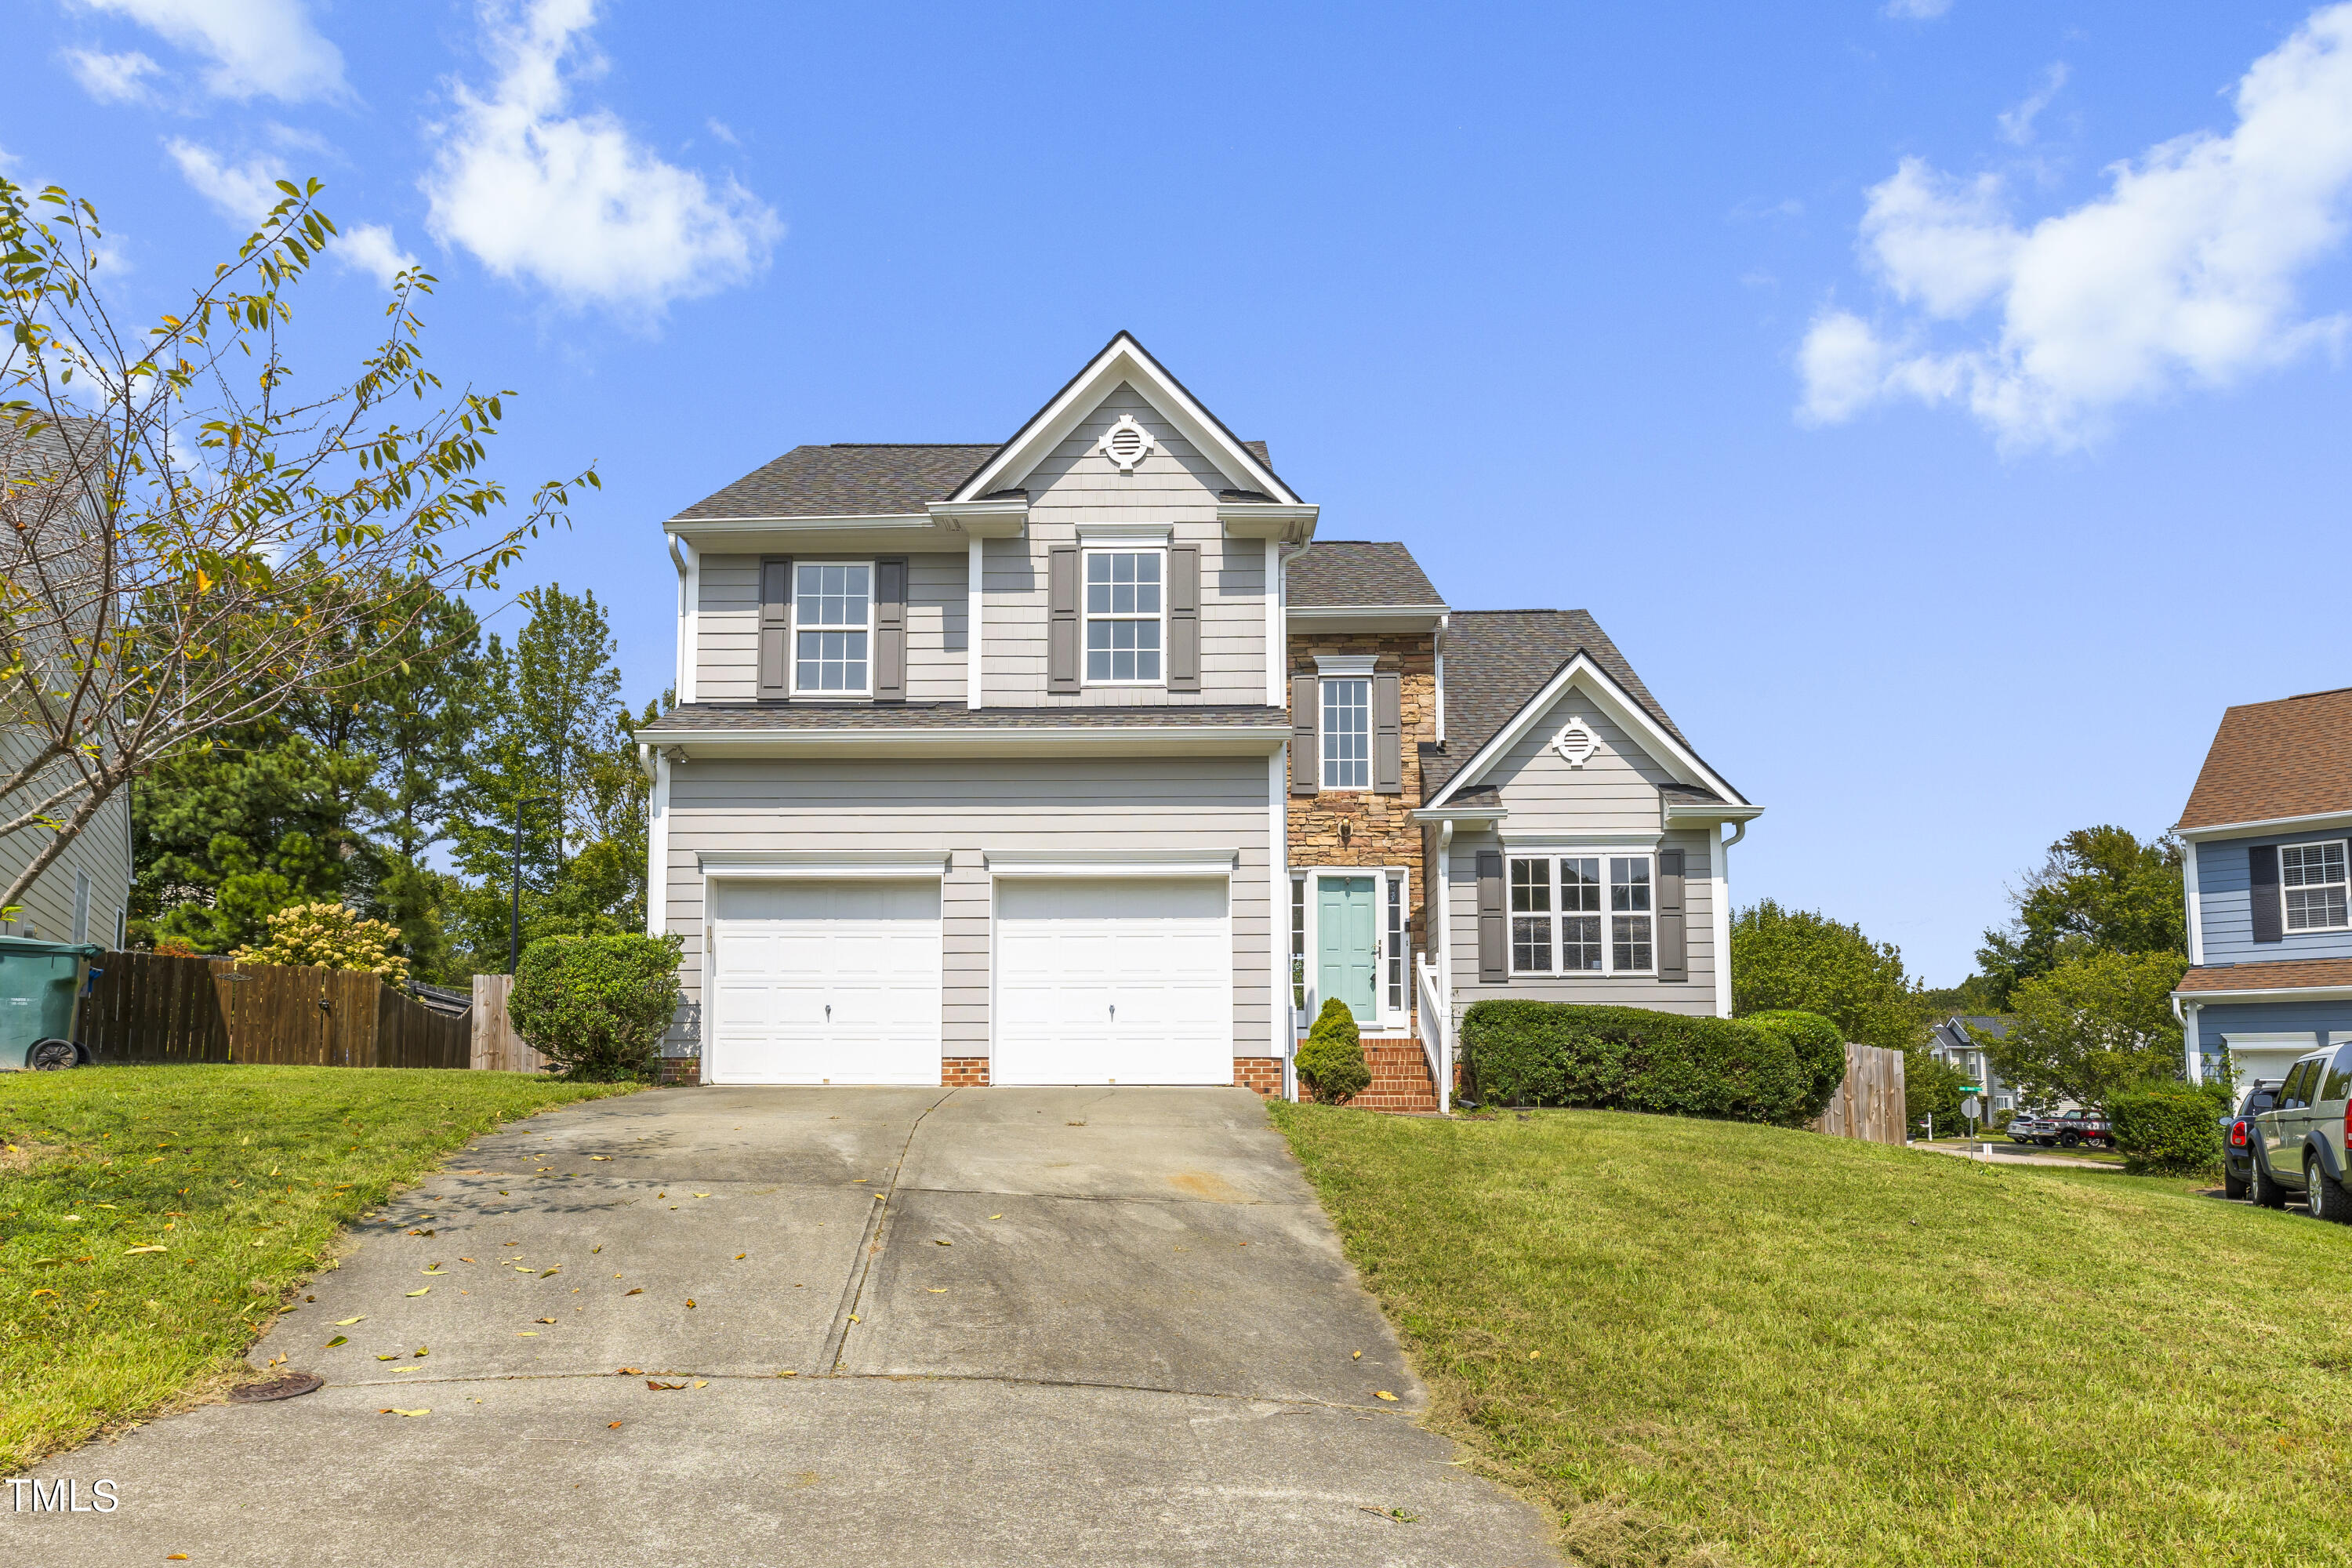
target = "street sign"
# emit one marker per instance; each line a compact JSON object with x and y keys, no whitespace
{"x":1971,"y":1107}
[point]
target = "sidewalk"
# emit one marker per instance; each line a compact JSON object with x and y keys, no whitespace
{"x":1985,"y":1153}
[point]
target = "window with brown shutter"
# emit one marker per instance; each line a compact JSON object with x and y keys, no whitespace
{"x":1183,"y":617}
{"x":1062,"y":618}
{"x":775,"y":626}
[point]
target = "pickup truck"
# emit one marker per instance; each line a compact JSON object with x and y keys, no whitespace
{"x":2237,"y":1138}
{"x":2298,"y":1145}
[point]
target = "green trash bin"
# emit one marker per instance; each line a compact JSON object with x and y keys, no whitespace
{"x":41,"y":988}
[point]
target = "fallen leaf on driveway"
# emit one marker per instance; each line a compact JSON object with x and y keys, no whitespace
{"x":1384,"y":1394}
{"x":739,"y":1256}
{"x":347,"y":1322}
{"x":651,"y":1384}
{"x":426,"y":1291}
{"x":464,"y":1260}
{"x":545,"y":1272}
{"x":435,"y":1269}
{"x":996,"y":1216}
{"x":338,"y":1340}
{"x":937,"y":1290}
{"x":391,"y":1357}
{"x":546,"y":1319}
{"x":689,"y":1300}
{"x":616,"y":1425}
{"x":937,"y":1242}
{"x":527,"y":1333}
{"x":639,"y":1290}
{"x":702,"y":1382}
{"x":702,"y":1195}
{"x":788,"y":1371}
{"x":389,"y":1411}
{"x":1359,"y":1355}
{"x":631,"y":1372}
{"x":175,"y":1557}
{"x":600,"y":1156}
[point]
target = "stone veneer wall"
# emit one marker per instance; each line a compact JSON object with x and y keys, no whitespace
{"x":1357,"y":828}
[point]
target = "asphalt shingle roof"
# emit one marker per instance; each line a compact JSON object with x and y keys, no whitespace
{"x":1496,"y":660}
{"x":1349,"y":573}
{"x":852,"y":479}
{"x":2288,"y":758}
{"x":752,"y":719}
{"x":2282,"y":974}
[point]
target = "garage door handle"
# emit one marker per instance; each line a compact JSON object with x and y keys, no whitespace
{"x":1114,"y":1012}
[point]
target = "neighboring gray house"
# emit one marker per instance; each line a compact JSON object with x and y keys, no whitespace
{"x":989,"y":762}
{"x":1950,"y":1042}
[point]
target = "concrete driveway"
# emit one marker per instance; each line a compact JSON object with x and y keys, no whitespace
{"x":917,"y":1327}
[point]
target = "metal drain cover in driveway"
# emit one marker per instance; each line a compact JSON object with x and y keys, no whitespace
{"x":292,"y":1385}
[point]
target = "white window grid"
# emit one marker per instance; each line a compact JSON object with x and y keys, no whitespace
{"x":1347,"y":731}
{"x":1125,"y":617}
{"x":833,"y":628}
{"x":1582,"y":914}
{"x":2312,"y":878}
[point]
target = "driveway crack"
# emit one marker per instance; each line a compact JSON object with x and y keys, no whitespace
{"x":853,"y":1291}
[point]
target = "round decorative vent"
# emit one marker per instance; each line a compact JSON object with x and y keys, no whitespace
{"x":1126,"y":444}
{"x":1576,"y":742}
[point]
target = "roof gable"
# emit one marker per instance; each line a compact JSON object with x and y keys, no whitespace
{"x":1124,"y":362}
{"x":2274,"y":761}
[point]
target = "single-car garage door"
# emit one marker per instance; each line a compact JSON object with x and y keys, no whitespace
{"x":1113,"y":980}
{"x":825,"y":983}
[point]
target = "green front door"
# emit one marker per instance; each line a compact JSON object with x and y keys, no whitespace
{"x":1347,"y":927}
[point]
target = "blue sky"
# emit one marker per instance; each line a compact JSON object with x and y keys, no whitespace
{"x":1945,"y":438}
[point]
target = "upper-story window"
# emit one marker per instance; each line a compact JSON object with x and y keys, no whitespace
{"x":1347,"y":733}
{"x":1124,"y":613}
{"x":1559,"y":922}
{"x":2313,"y":877}
{"x":833,"y":625}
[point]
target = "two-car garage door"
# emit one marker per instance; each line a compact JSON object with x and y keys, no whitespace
{"x":1096,"y":980}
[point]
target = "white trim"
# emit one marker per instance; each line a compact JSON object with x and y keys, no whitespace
{"x":1696,"y":812}
{"x":2276,"y":993}
{"x":1344,"y":612}
{"x":657,"y":849}
{"x":689,"y":613}
{"x":1112,"y":532}
{"x":1024,"y":864}
{"x":1459,"y":814}
{"x":1663,"y":747}
{"x":1004,"y":518}
{"x":2287,"y":930}
{"x":795,"y":630}
{"x":1291,"y":524}
{"x":826,"y":865}
{"x":2296,"y":1039}
{"x":1441,"y":902}
{"x":1278,"y":660}
{"x":1129,"y":740}
{"x":1325,"y":734}
{"x":1122,"y":361}
{"x":1720,"y":851}
{"x":975,"y":639}
{"x":1277,"y":860}
{"x":1107,"y":446}
{"x":1318,"y":620}
{"x":1349,"y":664}
{"x":1631,"y":843}
{"x":1609,"y":917}
{"x":2313,"y":822}
{"x":689,"y":525}
{"x":2195,"y":904}
{"x":1121,"y":544}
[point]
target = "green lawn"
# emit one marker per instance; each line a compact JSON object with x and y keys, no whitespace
{"x":241,"y":1175}
{"x":1706,"y":1343}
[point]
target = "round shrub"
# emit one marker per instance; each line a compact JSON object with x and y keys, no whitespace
{"x":1332,"y":1060}
{"x":2166,"y":1129}
{"x":1819,"y":1047}
{"x":596,"y":1006}
{"x":1635,"y":1058}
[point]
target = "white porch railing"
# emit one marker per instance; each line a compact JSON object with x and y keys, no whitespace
{"x":1435,"y":1049}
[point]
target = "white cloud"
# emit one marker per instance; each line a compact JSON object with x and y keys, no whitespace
{"x":1918,"y":10}
{"x":573,"y":202}
{"x":259,"y":47}
{"x":244,"y":191}
{"x":370,"y":248}
{"x":111,"y":78}
{"x":2182,"y":273}
{"x":2017,"y":124}
{"x":724,"y":131}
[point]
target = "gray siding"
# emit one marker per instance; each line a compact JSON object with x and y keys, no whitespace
{"x":1695,"y":994}
{"x":966,"y":807}
{"x":726,"y":650}
{"x":101,"y":850}
{"x":2225,"y":906}
{"x":1074,"y":485}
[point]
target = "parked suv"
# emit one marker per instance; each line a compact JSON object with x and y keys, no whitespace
{"x":2237,"y":1138}
{"x":2076,"y":1128}
{"x":2026,"y":1128}
{"x":2299,"y":1143}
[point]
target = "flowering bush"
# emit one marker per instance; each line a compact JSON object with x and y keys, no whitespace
{"x":330,"y":937}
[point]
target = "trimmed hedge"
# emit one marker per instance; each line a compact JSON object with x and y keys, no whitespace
{"x":1332,"y":1059}
{"x":1820,"y":1045}
{"x":2166,"y":1129}
{"x":1632,"y":1058}
{"x":597,"y":1007}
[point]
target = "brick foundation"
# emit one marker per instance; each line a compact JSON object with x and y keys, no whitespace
{"x":681,"y":1070}
{"x":1263,"y":1074}
{"x":963,"y":1072}
{"x":1401,"y":1081}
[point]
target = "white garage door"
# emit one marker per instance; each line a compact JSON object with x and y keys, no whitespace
{"x":825,"y":983}
{"x":1113,"y":981}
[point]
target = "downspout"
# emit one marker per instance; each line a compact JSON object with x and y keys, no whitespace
{"x":2192,"y":1067}
{"x":682,"y":556}
{"x":1445,"y":921}
{"x":1723,"y":918}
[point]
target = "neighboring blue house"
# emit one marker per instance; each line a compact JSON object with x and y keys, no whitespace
{"x":2270,"y":928}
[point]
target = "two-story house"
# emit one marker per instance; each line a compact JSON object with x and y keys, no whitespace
{"x":1077,"y":759}
{"x":2264,"y":872}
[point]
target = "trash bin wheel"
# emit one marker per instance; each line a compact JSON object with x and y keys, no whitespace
{"x":49,"y":1055}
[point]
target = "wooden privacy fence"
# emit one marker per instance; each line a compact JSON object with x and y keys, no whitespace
{"x":496,"y":1048}
{"x":1869,"y":1104}
{"x":152,"y":1007}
